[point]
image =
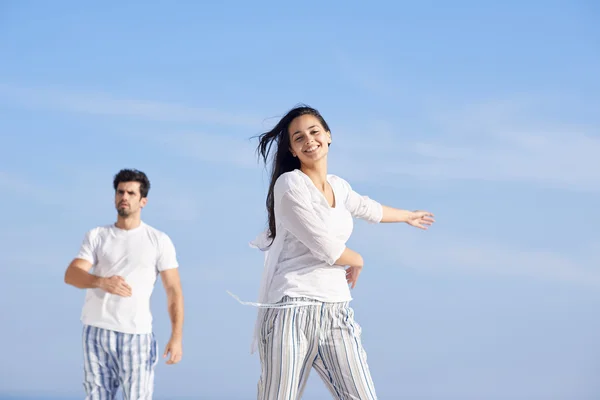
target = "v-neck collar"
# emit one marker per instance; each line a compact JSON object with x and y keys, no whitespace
{"x":335,"y":197}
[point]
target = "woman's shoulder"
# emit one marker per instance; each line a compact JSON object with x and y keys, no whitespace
{"x":289,"y":180}
{"x":338,"y":182}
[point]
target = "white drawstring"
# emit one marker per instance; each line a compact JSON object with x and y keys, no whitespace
{"x":288,"y":304}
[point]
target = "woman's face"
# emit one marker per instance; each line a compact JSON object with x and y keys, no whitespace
{"x":309,"y":141}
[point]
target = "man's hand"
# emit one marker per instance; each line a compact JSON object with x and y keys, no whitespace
{"x":174,"y":347}
{"x":172,"y":284}
{"x":115,"y":285}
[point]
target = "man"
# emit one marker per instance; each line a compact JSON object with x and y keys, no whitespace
{"x":119,"y":346}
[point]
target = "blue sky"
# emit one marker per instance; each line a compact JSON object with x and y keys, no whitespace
{"x":485,"y":114}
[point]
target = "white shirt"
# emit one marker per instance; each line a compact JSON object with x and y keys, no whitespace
{"x":311,"y":235}
{"x":137,"y":255}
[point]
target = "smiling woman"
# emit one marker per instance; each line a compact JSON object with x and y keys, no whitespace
{"x":285,"y":160}
{"x":305,"y":319}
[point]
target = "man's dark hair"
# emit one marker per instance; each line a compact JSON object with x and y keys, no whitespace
{"x":133,"y":175}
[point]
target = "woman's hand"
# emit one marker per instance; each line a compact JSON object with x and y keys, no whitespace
{"x":352,"y":274}
{"x":420,"y":219}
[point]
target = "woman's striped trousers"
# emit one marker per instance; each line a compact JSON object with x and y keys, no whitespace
{"x":325,"y":336}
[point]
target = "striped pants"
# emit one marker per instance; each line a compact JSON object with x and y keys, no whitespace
{"x":324,"y":336}
{"x":114,"y":359}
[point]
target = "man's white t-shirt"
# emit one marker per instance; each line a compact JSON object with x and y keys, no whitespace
{"x":137,"y":255}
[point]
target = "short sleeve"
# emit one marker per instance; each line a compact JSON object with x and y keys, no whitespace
{"x":87,"y":250}
{"x":361,"y":207}
{"x":167,"y":257}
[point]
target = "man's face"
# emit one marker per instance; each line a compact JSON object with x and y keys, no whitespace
{"x":128,"y":199}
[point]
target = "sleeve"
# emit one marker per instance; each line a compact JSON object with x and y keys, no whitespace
{"x":362,"y":207}
{"x":167,"y":256}
{"x":87,"y":250}
{"x":298,"y":217}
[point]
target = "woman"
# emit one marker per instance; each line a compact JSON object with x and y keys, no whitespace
{"x":305,"y":319}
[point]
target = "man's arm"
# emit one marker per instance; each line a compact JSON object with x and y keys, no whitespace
{"x":78,"y":275}
{"x":172,"y":284}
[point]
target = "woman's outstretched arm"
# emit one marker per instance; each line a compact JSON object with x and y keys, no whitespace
{"x":370,"y":210}
{"x":418,"y":219}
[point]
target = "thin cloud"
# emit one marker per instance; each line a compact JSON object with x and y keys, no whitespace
{"x":366,"y":73}
{"x":502,"y":146}
{"x":567,"y":161}
{"x":11,"y":184}
{"x":105,"y":104}
{"x":502,"y":260}
{"x":211,"y":148}
{"x":185,"y":206}
{"x":501,"y":141}
{"x":479,"y":257}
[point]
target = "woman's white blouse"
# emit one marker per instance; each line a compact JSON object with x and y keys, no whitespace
{"x":311,"y":235}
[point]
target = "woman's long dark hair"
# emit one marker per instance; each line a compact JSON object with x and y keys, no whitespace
{"x":282,"y":161}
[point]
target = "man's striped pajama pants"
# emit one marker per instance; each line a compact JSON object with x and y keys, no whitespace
{"x":115,"y":359}
{"x":325,"y":336}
